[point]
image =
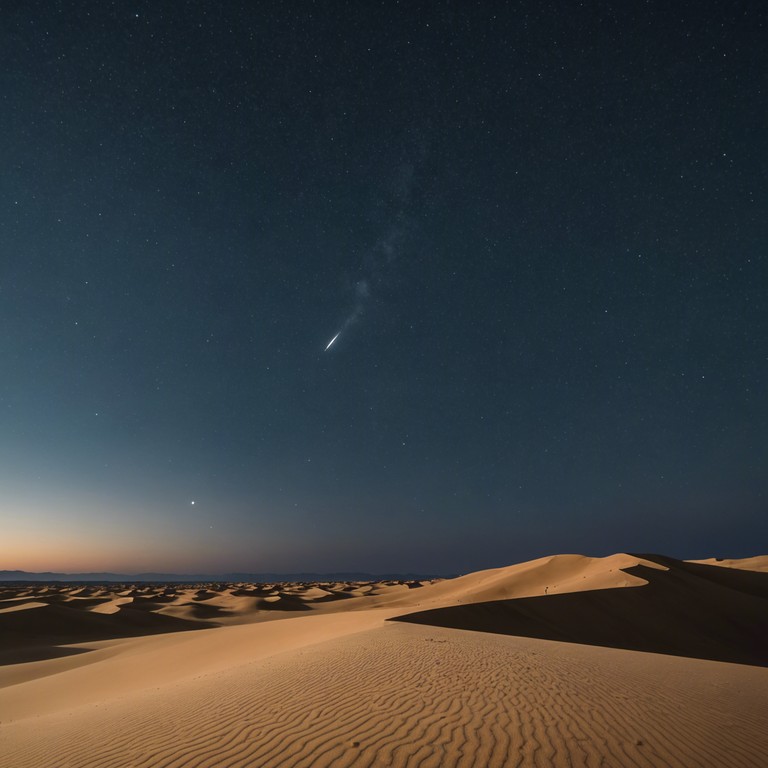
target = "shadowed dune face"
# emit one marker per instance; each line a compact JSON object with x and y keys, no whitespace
{"x":684,"y":609}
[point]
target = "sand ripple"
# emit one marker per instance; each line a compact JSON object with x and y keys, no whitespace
{"x":426,"y":697}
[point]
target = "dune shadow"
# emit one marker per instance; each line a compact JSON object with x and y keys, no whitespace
{"x":204,"y":611}
{"x":25,"y":654}
{"x":333,"y":597}
{"x":693,"y":610}
{"x":285,"y":603}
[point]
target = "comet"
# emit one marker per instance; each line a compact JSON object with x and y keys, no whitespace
{"x":331,"y":341}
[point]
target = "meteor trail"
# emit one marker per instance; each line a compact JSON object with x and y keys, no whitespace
{"x":331,"y":341}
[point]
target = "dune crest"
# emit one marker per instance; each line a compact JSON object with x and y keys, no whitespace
{"x":547,"y":575}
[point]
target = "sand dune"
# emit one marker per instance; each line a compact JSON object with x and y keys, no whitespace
{"x":686,"y":609}
{"x":21,"y":605}
{"x":547,"y":575}
{"x":111,"y":606}
{"x":759,"y":563}
{"x":110,"y":681}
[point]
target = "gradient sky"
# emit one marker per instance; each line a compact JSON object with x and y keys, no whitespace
{"x":541,"y":230}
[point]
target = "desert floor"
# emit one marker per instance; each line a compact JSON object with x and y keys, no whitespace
{"x":563,"y":661}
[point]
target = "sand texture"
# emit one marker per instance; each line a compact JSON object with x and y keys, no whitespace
{"x":434,"y":674}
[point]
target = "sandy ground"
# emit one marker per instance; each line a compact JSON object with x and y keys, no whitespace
{"x":435,"y":674}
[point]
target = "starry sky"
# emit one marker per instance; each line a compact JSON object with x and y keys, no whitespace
{"x":539,"y":230}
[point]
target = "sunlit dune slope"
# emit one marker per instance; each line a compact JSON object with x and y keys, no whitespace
{"x":407,"y":696}
{"x":547,"y":575}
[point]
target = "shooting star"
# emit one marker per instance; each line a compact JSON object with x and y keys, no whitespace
{"x":331,"y":341}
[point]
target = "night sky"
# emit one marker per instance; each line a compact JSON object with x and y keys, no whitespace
{"x":539,"y":229}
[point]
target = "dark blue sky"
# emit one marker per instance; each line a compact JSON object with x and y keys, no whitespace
{"x":540,"y":228}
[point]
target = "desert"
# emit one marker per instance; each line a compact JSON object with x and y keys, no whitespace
{"x":626,"y":660}
{"x":383,"y":384}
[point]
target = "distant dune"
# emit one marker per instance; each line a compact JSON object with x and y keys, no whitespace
{"x":759,"y":563}
{"x":193,"y":578}
{"x":625,"y":660}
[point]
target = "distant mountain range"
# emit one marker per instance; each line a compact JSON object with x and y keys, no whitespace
{"x":186,"y":578}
